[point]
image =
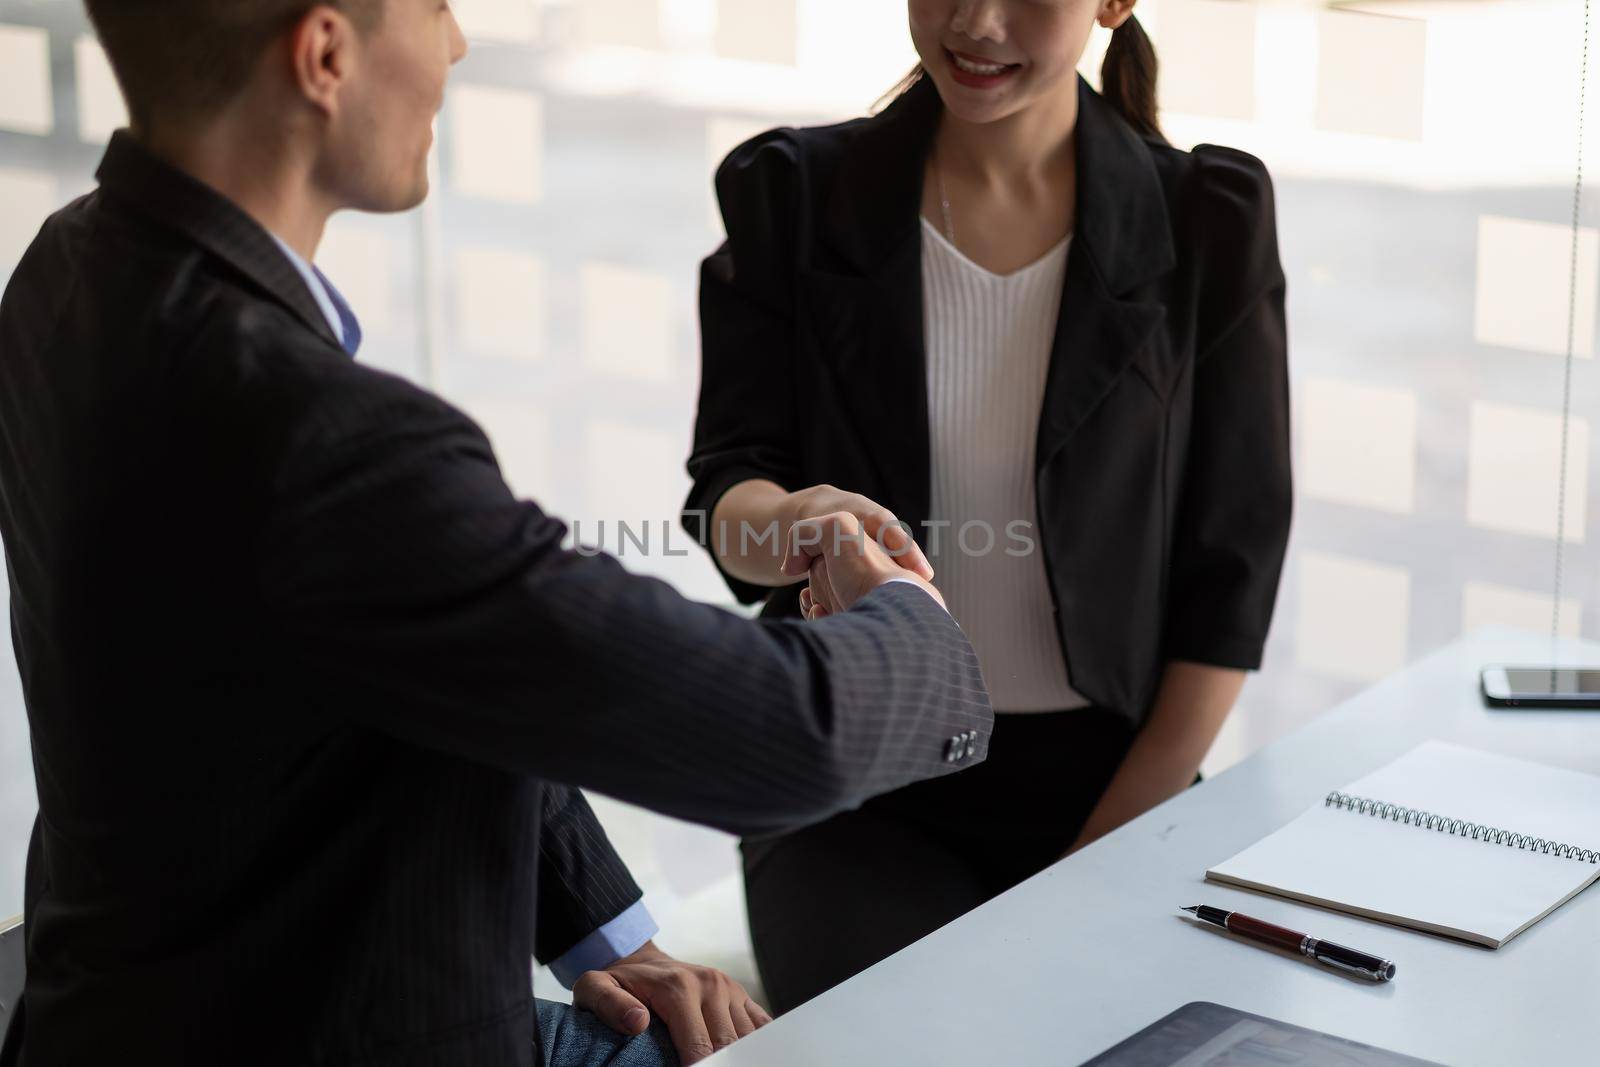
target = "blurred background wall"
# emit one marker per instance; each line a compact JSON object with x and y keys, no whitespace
{"x":1424,"y":154}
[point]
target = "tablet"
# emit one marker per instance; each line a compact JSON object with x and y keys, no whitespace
{"x":1209,"y":1035}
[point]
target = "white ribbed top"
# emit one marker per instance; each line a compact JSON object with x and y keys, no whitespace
{"x":989,"y":338}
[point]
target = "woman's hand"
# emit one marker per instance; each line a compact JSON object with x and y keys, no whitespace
{"x":752,"y":526}
{"x":877,"y":522}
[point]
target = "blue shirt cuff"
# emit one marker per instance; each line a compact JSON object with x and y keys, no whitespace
{"x":622,"y":936}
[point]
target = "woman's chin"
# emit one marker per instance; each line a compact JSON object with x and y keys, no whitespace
{"x":962,"y":107}
{"x":975,"y":105}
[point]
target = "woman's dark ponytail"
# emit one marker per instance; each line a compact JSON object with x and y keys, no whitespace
{"x":1128,"y":77}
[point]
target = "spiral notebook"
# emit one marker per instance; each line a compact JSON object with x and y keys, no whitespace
{"x":1445,"y":839}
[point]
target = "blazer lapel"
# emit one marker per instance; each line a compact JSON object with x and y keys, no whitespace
{"x":172,"y":197}
{"x":1122,"y":239}
{"x":872,"y":231}
{"x":1097,"y":336}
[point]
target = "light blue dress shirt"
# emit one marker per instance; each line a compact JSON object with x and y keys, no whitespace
{"x":340,"y":317}
{"x":622,"y":936}
{"x":628,"y":932}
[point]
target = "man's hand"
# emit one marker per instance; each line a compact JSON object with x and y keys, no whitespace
{"x":703,"y":1009}
{"x":878,"y":522}
{"x":843,"y":562}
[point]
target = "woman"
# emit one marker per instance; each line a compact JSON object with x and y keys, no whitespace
{"x":1006,"y":314}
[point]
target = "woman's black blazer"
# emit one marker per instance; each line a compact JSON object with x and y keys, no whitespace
{"x":1162,"y":459}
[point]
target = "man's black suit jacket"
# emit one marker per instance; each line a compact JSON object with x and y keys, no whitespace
{"x":310,"y":691}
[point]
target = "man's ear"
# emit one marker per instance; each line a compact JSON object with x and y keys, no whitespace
{"x":1114,"y":13}
{"x":322,"y":54}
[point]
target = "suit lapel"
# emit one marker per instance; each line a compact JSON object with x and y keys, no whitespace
{"x":1097,"y":336}
{"x":1122,"y":239}
{"x":134,"y":175}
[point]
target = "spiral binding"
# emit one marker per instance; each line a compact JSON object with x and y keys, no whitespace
{"x":1459,"y":827}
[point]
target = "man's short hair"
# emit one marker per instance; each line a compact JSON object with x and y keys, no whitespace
{"x":179,"y":60}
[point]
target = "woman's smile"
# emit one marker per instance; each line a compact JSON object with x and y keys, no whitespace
{"x":976,"y":72}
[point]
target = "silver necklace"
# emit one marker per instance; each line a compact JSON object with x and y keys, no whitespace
{"x":944,"y":200}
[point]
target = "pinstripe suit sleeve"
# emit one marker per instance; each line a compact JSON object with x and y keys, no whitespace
{"x":583,"y":883}
{"x":397,"y":562}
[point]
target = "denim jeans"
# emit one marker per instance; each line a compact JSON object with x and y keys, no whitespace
{"x":571,"y":1037}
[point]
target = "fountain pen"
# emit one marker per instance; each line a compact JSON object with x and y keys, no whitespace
{"x":1338,"y":956}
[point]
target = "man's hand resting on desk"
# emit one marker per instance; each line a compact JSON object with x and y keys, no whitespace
{"x":844,"y":563}
{"x":703,"y":1009}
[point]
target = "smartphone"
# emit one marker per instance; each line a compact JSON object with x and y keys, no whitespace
{"x":1542,"y":687}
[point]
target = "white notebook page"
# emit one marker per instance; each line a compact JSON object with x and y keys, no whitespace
{"x":1427,"y":879}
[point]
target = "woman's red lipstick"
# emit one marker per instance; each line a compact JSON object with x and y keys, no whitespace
{"x":978,"y":81}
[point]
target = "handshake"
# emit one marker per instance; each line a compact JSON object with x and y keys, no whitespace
{"x":846,"y":545}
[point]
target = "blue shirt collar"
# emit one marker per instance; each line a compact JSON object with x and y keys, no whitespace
{"x":334,"y":308}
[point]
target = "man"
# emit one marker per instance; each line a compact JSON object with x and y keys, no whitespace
{"x":310,"y":693}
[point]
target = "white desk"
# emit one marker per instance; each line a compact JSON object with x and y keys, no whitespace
{"x":1090,"y":951}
